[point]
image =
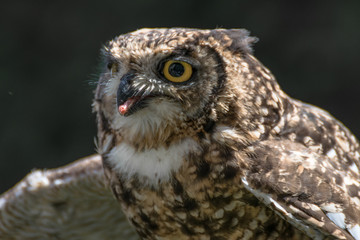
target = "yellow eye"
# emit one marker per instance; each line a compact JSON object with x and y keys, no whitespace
{"x":177,"y":71}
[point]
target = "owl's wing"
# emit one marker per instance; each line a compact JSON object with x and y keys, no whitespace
{"x":70,"y":202}
{"x":307,"y":189}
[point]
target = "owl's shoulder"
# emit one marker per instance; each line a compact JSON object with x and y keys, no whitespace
{"x":308,"y":172}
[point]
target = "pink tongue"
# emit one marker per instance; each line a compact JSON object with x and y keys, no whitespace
{"x":123,"y":108}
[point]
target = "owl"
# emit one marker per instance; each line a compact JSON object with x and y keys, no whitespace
{"x":198,"y":141}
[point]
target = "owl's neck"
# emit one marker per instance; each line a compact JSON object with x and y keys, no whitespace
{"x":151,"y":166}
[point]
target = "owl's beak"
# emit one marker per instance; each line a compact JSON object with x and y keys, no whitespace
{"x":126,"y":99}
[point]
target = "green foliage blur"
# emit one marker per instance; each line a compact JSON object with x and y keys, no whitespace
{"x":50,"y":52}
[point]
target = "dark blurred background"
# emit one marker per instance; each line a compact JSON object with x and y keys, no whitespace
{"x":49,"y":56}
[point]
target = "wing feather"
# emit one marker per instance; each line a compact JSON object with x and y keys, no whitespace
{"x":70,"y":202}
{"x":303,"y":188}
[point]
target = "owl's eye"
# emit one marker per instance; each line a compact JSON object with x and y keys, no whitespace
{"x":177,"y":71}
{"x":113,"y":67}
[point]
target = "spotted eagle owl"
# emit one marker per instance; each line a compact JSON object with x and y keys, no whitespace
{"x":199,"y":142}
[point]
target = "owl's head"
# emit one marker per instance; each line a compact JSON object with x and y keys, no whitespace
{"x":162,"y":84}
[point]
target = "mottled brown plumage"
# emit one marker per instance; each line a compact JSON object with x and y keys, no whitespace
{"x":224,"y":155}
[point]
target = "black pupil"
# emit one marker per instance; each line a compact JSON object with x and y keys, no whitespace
{"x":176,"y":69}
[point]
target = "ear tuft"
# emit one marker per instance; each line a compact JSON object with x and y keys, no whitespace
{"x":241,"y":39}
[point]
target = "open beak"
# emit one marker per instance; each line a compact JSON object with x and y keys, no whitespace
{"x":126,"y":99}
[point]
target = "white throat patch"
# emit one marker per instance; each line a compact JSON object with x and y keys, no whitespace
{"x":155,"y":165}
